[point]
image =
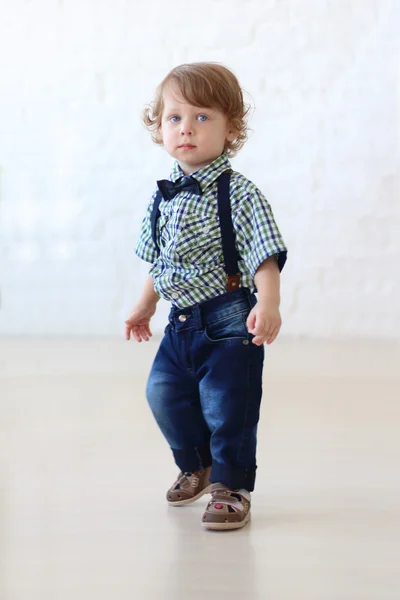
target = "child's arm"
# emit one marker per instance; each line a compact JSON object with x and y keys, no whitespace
{"x":268,"y":282}
{"x":138,"y":322}
{"x":264,"y":321}
{"x":149,"y":295}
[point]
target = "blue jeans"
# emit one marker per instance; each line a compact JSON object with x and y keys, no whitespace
{"x":205,"y":388}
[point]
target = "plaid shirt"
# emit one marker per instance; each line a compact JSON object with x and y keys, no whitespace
{"x":190,"y":267}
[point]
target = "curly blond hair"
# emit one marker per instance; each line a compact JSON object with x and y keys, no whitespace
{"x":205,"y":84}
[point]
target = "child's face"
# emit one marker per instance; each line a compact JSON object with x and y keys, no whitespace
{"x":194,"y":136}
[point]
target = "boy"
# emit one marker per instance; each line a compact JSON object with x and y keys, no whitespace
{"x":212,"y":241}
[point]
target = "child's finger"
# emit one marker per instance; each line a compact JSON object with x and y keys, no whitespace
{"x":258,"y":330}
{"x":136,"y":334}
{"x":273,"y":336}
{"x":251,"y":321}
{"x":143,"y":333}
{"x":268,"y":333}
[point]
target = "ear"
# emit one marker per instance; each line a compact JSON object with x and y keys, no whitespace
{"x":231,"y":133}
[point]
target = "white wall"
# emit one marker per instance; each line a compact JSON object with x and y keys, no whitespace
{"x":77,"y":167}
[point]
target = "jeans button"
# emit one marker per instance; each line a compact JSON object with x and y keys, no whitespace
{"x":245,"y":342}
{"x":182,"y":318}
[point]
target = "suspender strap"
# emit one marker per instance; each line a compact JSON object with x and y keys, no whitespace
{"x":228,"y":233}
{"x":154,"y":218}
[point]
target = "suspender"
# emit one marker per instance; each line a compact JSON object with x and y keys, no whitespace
{"x":154,"y":218}
{"x":227,"y":232}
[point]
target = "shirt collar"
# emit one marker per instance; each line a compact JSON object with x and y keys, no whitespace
{"x":206,"y":175}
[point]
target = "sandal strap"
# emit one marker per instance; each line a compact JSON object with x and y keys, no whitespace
{"x":219,"y":489}
{"x":234,"y":502}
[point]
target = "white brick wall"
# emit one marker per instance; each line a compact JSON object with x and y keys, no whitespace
{"x":77,"y":168}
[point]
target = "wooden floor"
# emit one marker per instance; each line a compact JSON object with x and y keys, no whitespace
{"x":83,"y":472}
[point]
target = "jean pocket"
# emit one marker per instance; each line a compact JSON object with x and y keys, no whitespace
{"x":231,"y":329}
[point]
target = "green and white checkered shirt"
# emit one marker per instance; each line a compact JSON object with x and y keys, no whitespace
{"x":190,"y":266}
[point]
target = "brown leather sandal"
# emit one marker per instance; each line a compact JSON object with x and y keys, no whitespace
{"x":226,"y":510}
{"x":189,"y":487}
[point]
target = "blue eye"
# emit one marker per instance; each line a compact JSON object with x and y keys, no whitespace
{"x":202,"y":117}
{"x":174,"y":118}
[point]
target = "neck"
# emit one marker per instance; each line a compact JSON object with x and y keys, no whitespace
{"x":188,"y":170}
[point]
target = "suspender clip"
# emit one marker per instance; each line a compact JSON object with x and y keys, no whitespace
{"x":232,"y":282}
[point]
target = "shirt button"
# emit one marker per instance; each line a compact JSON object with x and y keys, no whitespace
{"x":175,"y":296}
{"x":182,"y":318}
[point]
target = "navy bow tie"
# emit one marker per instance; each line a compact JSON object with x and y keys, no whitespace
{"x":169,"y":189}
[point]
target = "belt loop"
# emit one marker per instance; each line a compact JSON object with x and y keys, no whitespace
{"x":170,"y":318}
{"x":197,"y":317}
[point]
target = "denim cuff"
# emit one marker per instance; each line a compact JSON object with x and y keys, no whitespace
{"x":233,"y":478}
{"x":194,"y":458}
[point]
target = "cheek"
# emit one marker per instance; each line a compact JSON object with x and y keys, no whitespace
{"x":214,"y":135}
{"x":165,"y":134}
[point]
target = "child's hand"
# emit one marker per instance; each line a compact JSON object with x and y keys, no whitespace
{"x":264,"y":322}
{"x":138,"y":323}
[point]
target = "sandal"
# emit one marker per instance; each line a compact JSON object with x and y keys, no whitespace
{"x":226,"y":510}
{"x":189,"y":487}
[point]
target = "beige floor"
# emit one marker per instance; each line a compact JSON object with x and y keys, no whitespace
{"x":83,"y":471}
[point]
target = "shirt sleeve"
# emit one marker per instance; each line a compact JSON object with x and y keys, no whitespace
{"x":145,"y":248}
{"x":257,"y":234}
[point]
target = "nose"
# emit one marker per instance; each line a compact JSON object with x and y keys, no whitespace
{"x":186,"y":127}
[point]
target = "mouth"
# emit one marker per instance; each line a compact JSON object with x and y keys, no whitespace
{"x":186,"y":146}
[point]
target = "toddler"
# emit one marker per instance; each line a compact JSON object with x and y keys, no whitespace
{"x":212,"y":241}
